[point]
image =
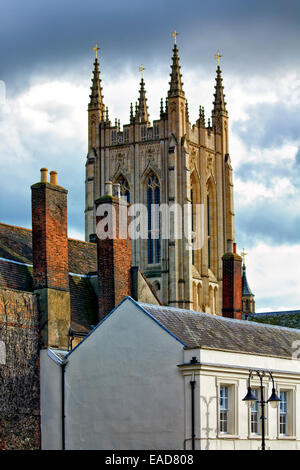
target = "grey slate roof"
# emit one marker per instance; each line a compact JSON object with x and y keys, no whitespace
{"x":196,"y":329}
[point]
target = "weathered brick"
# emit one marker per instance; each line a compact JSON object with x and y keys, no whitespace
{"x":114,"y":265}
{"x":49,"y":236}
{"x":232,"y":286}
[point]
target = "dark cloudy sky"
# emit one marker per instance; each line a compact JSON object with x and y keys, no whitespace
{"x":45,"y":69}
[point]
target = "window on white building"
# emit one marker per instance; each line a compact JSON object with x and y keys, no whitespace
{"x":254,"y":413}
{"x":224,"y":409}
{"x":227,"y":408}
{"x":284,"y":413}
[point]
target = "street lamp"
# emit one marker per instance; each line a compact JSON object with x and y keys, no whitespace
{"x":273,"y":400}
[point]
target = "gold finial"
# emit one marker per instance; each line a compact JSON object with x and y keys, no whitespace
{"x":174,"y":34}
{"x":243,"y":254}
{"x":96,"y":49}
{"x":218,"y":55}
{"x":141,"y":69}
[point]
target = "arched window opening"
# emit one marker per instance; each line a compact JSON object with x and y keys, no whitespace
{"x":195,"y":200}
{"x":156,"y":286}
{"x":124,"y":187}
{"x":194,"y":296}
{"x":199,"y":296}
{"x":153,"y":199}
{"x":211,"y":227}
{"x":208,"y":232}
{"x":215,"y":300}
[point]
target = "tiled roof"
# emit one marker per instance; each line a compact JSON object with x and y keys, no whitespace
{"x":213,"y":331}
{"x":16,"y":246}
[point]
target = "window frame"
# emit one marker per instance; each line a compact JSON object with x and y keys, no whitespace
{"x":291,"y":411}
{"x":233,"y":416}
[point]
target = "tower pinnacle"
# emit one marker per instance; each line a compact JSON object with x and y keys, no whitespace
{"x":142,"y":108}
{"x":175,"y":83}
{"x":219,"y":102}
{"x":96,"y":98}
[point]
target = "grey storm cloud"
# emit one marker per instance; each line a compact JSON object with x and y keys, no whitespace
{"x":274,"y":222}
{"x":269,"y":125}
{"x":55,"y":37}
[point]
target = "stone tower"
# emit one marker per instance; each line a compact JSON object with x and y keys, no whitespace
{"x":169,"y":162}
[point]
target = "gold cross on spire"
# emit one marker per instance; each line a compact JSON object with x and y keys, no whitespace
{"x":96,"y":49}
{"x":243,"y":254}
{"x":141,"y":69}
{"x":218,"y":55}
{"x":174,"y":34}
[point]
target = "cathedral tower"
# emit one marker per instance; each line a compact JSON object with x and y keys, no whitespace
{"x":173,"y":164}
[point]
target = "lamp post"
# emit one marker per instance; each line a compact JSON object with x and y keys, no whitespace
{"x":273,"y":399}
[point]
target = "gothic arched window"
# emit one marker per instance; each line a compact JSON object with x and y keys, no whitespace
{"x":211,"y":227}
{"x":153,"y":197}
{"x":208,"y":231}
{"x":195,"y":201}
{"x":124,"y":187}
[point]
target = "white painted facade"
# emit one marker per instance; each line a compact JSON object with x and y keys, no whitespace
{"x":127,"y":386}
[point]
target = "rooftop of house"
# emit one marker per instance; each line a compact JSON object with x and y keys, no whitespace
{"x":196,"y":330}
{"x":16,"y":272}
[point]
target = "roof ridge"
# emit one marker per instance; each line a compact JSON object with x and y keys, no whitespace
{"x":30,"y":230}
{"x":219,"y":317}
{"x":16,"y":226}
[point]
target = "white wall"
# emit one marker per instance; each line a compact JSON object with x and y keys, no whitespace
{"x":51,"y":421}
{"x":123,"y":386}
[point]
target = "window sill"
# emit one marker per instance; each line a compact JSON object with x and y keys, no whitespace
{"x":286,"y":438}
{"x":227,"y":436}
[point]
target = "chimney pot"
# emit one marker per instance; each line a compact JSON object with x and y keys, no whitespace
{"x":53,"y":177}
{"x":44,"y":175}
{"x":108,"y":188}
{"x":234,"y":248}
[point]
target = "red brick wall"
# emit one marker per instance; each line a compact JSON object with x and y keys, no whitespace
{"x":114,"y":266}
{"x":232,"y":286}
{"x":49,"y":236}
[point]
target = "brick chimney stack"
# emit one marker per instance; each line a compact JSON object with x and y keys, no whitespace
{"x":50,"y":259}
{"x":232,"y":285}
{"x":113,"y":251}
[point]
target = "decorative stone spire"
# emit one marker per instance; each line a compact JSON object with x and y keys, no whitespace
{"x":96,"y":98}
{"x":142,"y":108}
{"x":201,"y":120}
{"x":219,"y":102}
{"x":187,"y":111}
{"x":175,"y":83}
{"x":131,"y":118}
{"x":162,"y":113}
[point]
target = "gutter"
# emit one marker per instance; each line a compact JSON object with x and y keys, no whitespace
{"x":193,"y":383}
{"x":63,"y":416}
